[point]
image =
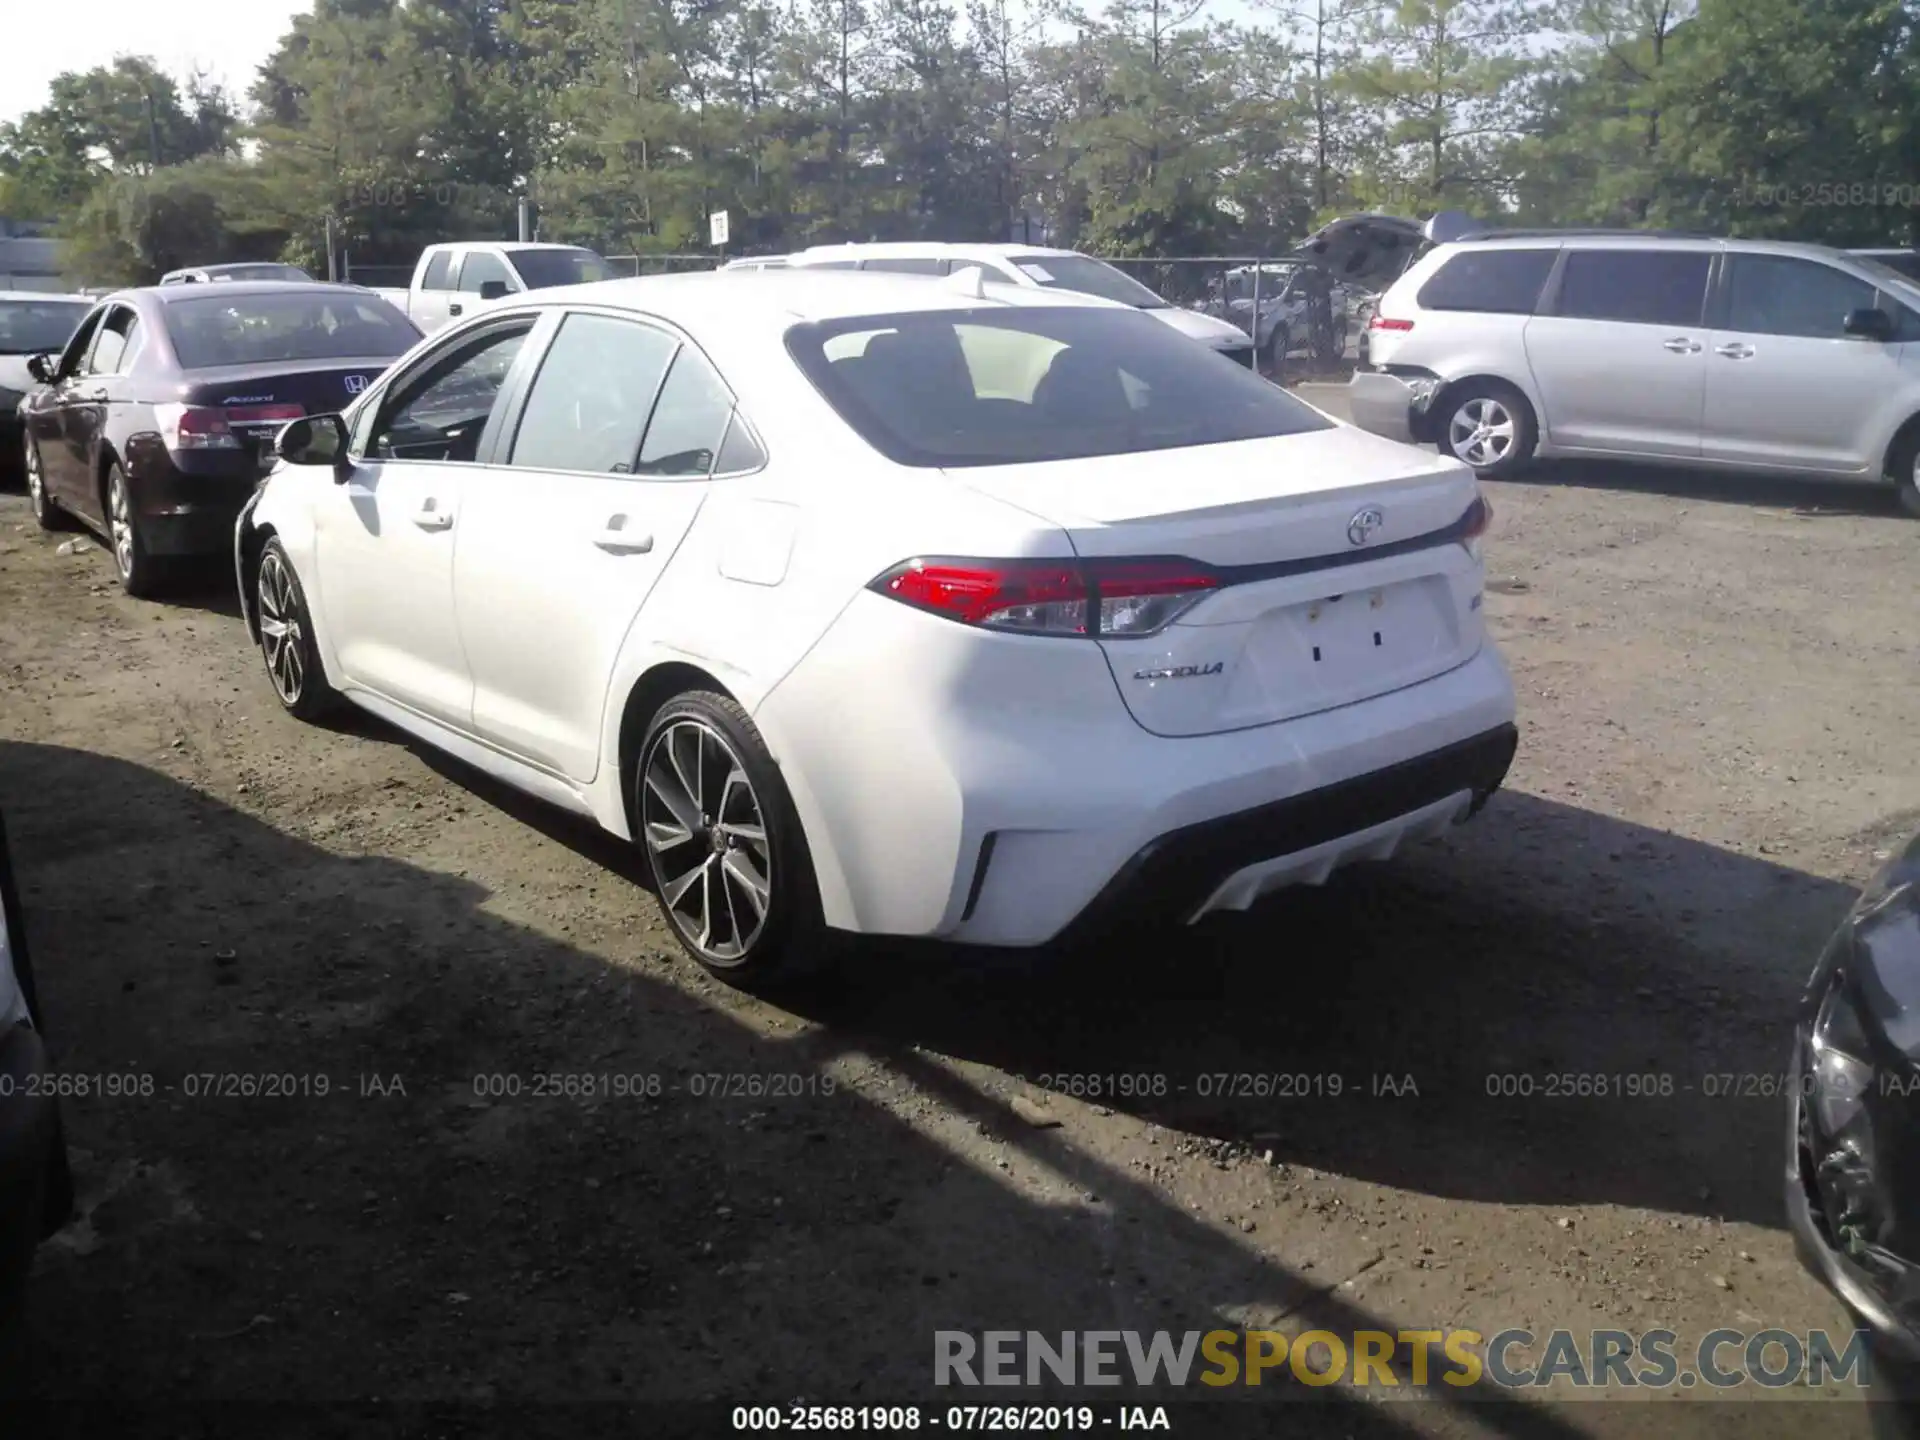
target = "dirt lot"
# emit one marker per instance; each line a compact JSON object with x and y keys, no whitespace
{"x":1717,"y":686}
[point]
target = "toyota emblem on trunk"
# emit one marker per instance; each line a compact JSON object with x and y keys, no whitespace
{"x":356,"y":383}
{"x":1360,"y":529}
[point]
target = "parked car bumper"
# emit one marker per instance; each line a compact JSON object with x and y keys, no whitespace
{"x":1389,"y":405}
{"x":937,"y":808}
{"x":188,"y":504}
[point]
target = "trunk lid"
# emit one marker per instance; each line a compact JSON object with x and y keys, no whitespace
{"x":1340,"y":580}
{"x":252,"y":394}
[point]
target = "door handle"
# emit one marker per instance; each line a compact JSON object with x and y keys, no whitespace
{"x":1735,"y":351}
{"x":431,"y":517}
{"x":617,"y":539}
{"x":1680,"y":345}
{"x":453,"y":307}
{"x":95,"y":397}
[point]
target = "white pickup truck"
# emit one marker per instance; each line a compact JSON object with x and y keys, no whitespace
{"x":453,"y":280}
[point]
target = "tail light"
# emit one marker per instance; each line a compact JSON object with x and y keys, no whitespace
{"x":1478,"y":517}
{"x":1382,"y":322}
{"x":195,"y":427}
{"x":1121,"y":598}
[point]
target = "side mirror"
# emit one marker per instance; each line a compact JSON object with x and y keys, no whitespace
{"x":41,"y":367}
{"x":1871,"y":323}
{"x":316,"y":440}
{"x":493,"y":289}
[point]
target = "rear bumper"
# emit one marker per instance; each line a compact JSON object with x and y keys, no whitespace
{"x":1387,"y":405}
{"x":950,"y":804}
{"x":188,"y":504}
{"x":29,"y":1132}
{"x":1228,"y":862}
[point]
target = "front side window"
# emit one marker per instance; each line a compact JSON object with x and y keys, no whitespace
{"x":1006,"y":386}
{"x":1782,"y":295}
{"x":442,"y":413}
{"x":1491,"y":282}
{"x":1639,"y":287}
{"x":81,"y":341}
{"x":589,"y":404}
{"x":481,"y":266}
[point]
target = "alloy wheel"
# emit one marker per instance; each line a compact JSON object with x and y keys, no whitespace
{"x":1481,"y":432}
{"x":120,"y":522}
{"x":707,"y":837}
{"x":281,"y":638}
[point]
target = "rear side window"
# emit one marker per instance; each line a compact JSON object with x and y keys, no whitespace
{"x":438,"y":268}
{"x":907,"y":265}
{"x":1005,"y":386}
{"x":689,"y":419}
{"x":590,"y":401}
{"x":1641,"y":287}
{"x":1495,"y":282}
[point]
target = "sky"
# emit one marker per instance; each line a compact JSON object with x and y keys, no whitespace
{"x":228,"y":39}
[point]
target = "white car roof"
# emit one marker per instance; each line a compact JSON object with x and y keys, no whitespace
{"x":704,"y":300}
{"x":937,"y":249}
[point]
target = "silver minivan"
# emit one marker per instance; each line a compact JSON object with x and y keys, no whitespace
{"x":1676,"y":349}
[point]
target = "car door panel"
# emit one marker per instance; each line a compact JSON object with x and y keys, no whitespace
{"x":58,"y":470}
{"x":1786,"y":386}
{"x":1617,"y":352}
{"x":562,"y":546}
{"x":385,"y":538}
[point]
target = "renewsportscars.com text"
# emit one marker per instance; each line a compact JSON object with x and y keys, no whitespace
{"x":1507,"y":1359}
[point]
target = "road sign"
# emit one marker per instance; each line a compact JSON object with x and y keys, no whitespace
{"x":717,"y":227}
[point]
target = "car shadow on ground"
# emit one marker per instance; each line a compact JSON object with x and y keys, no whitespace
{"x":399,"y":1215}
{"x":1801,"y":494}
{"x":1554,"y":1008}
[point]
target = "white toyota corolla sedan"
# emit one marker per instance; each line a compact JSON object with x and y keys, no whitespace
{"x":891,"y":605}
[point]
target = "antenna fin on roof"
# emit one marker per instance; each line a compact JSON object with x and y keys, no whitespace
{"x":970,"y":280}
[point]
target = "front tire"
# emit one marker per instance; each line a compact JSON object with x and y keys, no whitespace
{"x":46,"y":512}
{"x":723,"y":842}
{"x":286,"y":639}
{"x":1906,"y":475}
{"x":140,"y":574}
{"x":1489,"y":426}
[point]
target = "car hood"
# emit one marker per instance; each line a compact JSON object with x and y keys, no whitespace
{"x":1207,"y":328}
{"x":1365,"y":248}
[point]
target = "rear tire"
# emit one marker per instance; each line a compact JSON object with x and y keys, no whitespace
{"x":287,"y":642}
{"x":46,"y":512}
{"x":724,"y":844}
{"x":141,"y":575}
{"x":1488,"y":425}
{"x":1906,"y":474}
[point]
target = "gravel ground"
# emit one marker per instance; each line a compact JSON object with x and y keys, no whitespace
{"x":1715,"y":681}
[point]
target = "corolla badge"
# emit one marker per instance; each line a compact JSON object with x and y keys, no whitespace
{"x":355,"y":384}
{"x":1180,"y":672}
{"x":1361,"y":528}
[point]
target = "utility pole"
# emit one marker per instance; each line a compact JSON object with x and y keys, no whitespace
{"x":153,"y":131}
{"x":333,"y":273}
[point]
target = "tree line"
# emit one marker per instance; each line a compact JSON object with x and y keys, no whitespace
{"x":1143,"y":127}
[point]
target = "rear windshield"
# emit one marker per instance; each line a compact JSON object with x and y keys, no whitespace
{"x":1085,"y":275}
{"x":1002,"y":386}
{"x":542,"y":268}
{"x":34,"y":327}
{"x":214,"y":330}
